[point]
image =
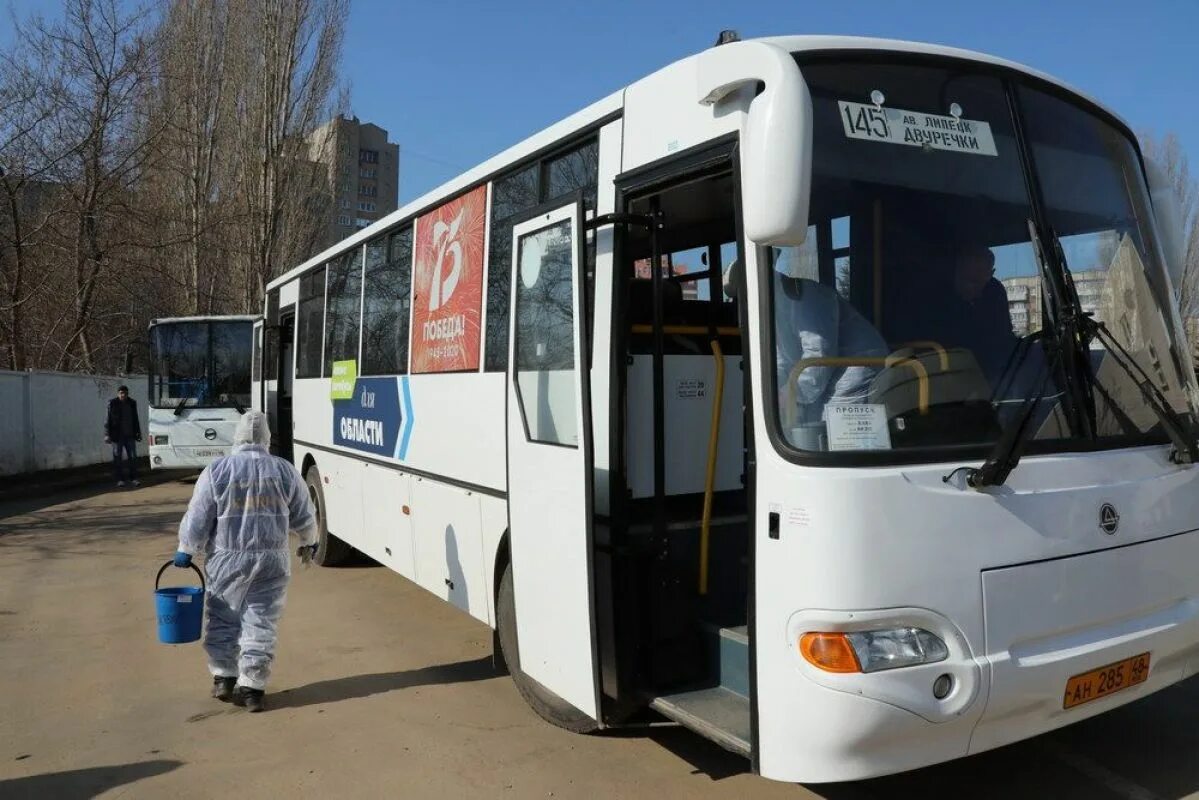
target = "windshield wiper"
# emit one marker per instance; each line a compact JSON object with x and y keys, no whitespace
{"x":1007,"y":451}
{"x":1181,"y":432}
{"x":179,"y":406}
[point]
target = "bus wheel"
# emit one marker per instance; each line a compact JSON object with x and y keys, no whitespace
{"x":331,"y":551}
{"x":549,"y":706}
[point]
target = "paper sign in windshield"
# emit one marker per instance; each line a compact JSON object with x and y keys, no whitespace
{"x":896,"y":126}
{"x":857,"y":426}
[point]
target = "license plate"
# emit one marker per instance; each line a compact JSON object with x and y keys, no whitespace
{"x":207,"y":453}
{"x":1106,"y":680}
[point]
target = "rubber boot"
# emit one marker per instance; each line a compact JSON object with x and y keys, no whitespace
{"x":222,"y":688}
{"x":250,"y":699}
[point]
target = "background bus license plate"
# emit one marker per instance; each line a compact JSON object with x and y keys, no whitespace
{"x":1106,"y":680}
{"x":207,"y":453}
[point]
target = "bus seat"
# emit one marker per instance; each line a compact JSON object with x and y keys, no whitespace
{"x":958,"y":391}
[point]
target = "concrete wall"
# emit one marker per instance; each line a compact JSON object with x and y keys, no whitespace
{"x":54,"y":420}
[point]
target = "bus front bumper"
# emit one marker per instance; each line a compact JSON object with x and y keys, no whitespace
{"x":171,"y":457}
{"x":1051,"y":628}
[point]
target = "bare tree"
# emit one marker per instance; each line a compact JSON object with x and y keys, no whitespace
{"x":288,"y":51}
{"x":105,"y":61}
{"x":23,"y":108}
{"x":155,"y":165}
{"x":1168,"y":153}
{"x":191,"y":99}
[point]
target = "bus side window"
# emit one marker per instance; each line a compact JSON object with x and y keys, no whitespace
{"x":344,"y":308}
{"x":311,"y":324}
{"x":555,"y":177}
{"x":386,"y":305}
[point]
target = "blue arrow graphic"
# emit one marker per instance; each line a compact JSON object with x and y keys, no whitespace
{"x":409,"y":419}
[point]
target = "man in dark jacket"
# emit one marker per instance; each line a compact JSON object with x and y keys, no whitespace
{"x":978,"y":310}
{"x":123,"y":430}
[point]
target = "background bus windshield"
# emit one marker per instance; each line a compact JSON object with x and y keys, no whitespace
{"x":201,"y":364}
{"x":917,"y":314}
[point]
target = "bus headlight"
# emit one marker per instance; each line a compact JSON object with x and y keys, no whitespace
{"x":872,"y":651}
{"x":158,"y":440}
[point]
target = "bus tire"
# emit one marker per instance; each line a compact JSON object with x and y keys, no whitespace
{"x":330,"y":551}
{"x":546,"y":704}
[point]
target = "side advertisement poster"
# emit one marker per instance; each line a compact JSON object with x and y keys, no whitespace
{"x":373,"y":415}
{"x":447,"y":278}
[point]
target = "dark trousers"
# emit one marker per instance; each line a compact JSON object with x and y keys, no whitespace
{"x":129,"y":445}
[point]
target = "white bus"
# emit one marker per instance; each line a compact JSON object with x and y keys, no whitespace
{"x":200,"y":377}
{"x":710,"y":398}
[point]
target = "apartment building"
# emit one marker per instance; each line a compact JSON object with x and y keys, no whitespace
{"x":364,"y":170}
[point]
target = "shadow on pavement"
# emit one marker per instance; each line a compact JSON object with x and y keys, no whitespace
{"x":359,"y":686}
{"x":1143,"y":750}
{"x":27,"y":497}
{"x":81,"y":784}
{"x":705,"y":757}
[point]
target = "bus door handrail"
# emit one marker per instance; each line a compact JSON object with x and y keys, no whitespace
{"x":858,"y":361}
{"x":710,"y":477}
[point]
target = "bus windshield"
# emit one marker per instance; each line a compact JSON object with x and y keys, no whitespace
{"x":923,"y":309}
{"x":201,"y":364}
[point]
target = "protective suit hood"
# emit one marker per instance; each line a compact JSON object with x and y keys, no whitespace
{"x":252,"y":429}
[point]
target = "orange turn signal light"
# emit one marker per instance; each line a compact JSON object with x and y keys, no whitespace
{"x":830,"y":652}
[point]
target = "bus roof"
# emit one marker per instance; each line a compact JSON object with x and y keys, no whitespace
{"x":796,"y":44}
{"x":207,"y":318}
{"x":612,"y":105}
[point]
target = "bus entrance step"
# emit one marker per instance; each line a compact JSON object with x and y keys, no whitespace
{"x":734,"y":660}
{"x":714,"y":713}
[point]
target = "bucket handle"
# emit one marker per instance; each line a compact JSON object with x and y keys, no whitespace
{"x":163,"y":569}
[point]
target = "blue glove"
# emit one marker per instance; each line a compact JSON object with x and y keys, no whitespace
{"x":182,"y":559}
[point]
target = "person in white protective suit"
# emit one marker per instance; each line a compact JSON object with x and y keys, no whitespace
{"x":811,"y":321}
{"x":239,"y":516}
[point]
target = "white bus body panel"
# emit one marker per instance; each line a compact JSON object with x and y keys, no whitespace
{"x":387,"y":518}
{"x":1023,"y":630}
{"x":601,"y":330}
{"x":457,"y":424}
{"x":449,"y":545}
{"x":457,"y":434}
{"x":549,"y":506}
{"x":689,"y":384}
{"x":1049,"y":621}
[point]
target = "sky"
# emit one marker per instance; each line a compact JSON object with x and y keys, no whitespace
{"x":456,"y":82}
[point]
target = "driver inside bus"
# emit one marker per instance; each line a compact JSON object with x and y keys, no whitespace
{"x":975,"y":314}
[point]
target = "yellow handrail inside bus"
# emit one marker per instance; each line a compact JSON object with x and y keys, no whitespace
{"x":832,"y":361}
{"x":928,"y":344}
{"x":710,"y":478}
{"x":692,"y":330}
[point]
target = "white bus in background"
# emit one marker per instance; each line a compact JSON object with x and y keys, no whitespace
{"x":708,"y":399}
{"x":200,"y":384}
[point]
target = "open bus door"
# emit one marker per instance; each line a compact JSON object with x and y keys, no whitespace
{"x":550,"y":459}
{"x":257,"y":384}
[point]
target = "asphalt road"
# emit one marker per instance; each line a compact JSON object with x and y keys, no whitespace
{"x":381,"y":690}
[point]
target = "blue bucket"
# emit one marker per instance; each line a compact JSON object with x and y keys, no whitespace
{"x":180,"y":609}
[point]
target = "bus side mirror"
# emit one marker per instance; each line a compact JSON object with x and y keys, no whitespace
{"x":1167,"y":213}
{"x":776,"y":144}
